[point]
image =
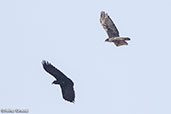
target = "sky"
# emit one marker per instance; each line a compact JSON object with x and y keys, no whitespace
{"x":133,"y":79}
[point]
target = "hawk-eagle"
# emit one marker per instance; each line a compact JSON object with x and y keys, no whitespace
{"x":112,"y":31}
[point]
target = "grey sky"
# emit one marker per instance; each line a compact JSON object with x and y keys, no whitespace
{"x":133,"y":79}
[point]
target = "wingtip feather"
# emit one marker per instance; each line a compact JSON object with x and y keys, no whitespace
{"x":44,"y":62}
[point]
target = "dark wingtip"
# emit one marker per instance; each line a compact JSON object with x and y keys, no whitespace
{"x":128,"y":39}
{"x":45,"y":63}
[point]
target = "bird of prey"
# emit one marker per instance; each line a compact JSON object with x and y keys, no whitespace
{"x":65,"y":83}
{"x":112,"y":31}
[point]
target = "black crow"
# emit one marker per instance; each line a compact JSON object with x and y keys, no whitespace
{"x":65,"y":83}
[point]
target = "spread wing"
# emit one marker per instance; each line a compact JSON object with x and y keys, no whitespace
{"x":68,"y":92}
{"x":52,"y":70}
{"x":108,"y":25}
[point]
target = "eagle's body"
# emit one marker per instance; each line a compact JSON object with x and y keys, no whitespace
{"x":118,"y":41}
{"x":112,"y":31}
{"x":65,"y":83}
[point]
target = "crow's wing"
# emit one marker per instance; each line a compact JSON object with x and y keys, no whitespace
{"x":108,"y":25}
{"x":52,"y":70}
{"x":68,"y":92}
